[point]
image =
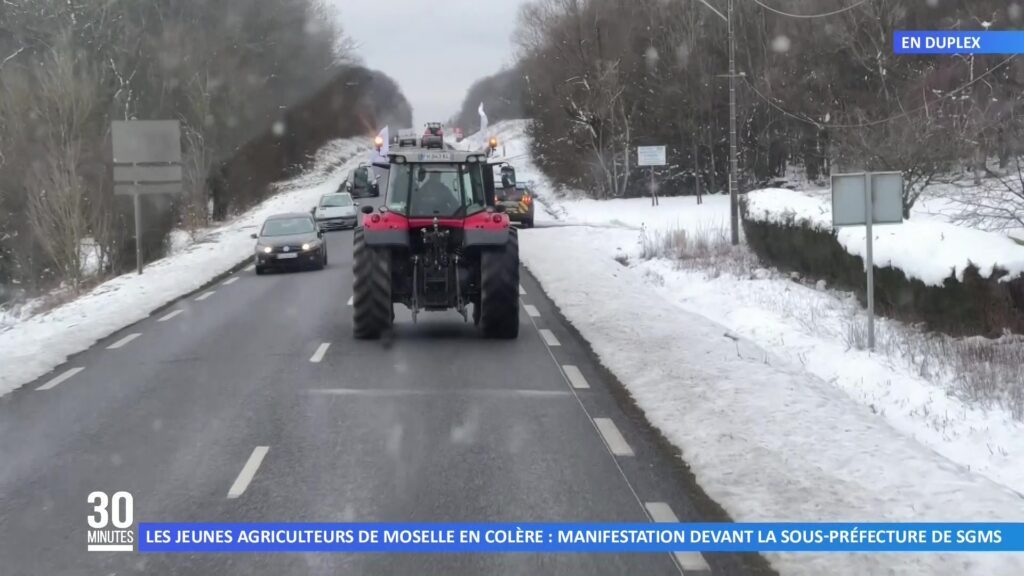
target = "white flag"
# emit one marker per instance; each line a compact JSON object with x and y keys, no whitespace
{"x":383,"y":135}
{"x":483,"y":117}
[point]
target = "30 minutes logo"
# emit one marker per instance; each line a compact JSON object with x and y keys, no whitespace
{"x":115,"y":511}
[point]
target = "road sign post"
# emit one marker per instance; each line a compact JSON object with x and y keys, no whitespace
{"x":651,"y":156}
{"x":147,"y":160}
{"x":867,"y":198}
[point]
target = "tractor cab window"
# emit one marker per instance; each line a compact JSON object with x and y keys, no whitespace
{"x":441,"y":190}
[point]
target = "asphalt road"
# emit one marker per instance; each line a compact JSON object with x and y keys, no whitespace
{"x":437,"y":425}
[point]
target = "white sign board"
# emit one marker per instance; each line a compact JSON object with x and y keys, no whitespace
{"x":140,"y":141}
{"x":849,"y":206}
{"x":147,"y":156}
{"x":650,"y":156}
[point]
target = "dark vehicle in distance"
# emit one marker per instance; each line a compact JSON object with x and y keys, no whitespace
{"x":515,"y":197}
{"x":361,"y":182}
{"x":433,"y":136}
{"x":290,"y":240}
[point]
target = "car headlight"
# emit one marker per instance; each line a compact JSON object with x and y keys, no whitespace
{"x":267,"y":249}
{"x":307,"y":246}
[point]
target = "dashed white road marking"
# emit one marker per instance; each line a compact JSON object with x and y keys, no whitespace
{"x":522,"y":292}
{"x":169,"y":316}
{"x":349,"y":303}
{"x":231,"y":280}
{"x":250,"y":267}
{"x":123,"y":341}
{"x":531,"y":310}
{"x":248,"y":471}
{"x":610,"y":432}
{"x":205,"y":295}
{"x":549,"y":337}
{"x":60,"y":378}
{"x":320,"y":351}
{"x":690,"y":562}
{"x":575,"y":376}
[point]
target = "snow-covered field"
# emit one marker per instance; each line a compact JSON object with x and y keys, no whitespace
{"x":32,"y":346}
{"x":753,"y":379}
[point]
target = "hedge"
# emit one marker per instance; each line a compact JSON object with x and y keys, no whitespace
{"x":975,"y":305}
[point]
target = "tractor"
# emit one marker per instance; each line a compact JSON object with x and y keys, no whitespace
{"x":438,"y":242}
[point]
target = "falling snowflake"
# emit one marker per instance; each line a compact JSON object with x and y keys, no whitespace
{"x":780,"y":44}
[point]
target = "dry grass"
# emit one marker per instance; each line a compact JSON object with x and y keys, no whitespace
{"x":707,"y":249}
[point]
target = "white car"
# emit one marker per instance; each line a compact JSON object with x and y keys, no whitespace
{"x":336,"y":211}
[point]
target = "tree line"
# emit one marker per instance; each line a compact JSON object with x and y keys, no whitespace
{"x":820,"y":90}
{"x":257,"y":86}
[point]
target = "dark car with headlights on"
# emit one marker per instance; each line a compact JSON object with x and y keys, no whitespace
{"x":290,"y":241}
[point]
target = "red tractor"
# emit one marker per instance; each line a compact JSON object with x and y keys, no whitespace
{"x":437,"y":242}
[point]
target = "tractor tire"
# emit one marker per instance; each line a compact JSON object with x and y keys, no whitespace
{"x":499,"y":289}
{"x":372,"y":310}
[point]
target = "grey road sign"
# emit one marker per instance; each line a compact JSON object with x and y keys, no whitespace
{"x":141,"y":141}
{"x":854,"y":196}
{"x":147,"y":160}
{"x":650,"y":156}
{"x":849,"y":206}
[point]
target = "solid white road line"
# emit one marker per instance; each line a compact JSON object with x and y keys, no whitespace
{"x":58,"y":379}
{"x":612,"y":437}
{"x":171,"y":315}
{"x":250,"y":267}
{"x":521,"y":291}
{"x":690,"y":562}
{"x":205,"y":295}
{"x":575,"y":376}
{"x":399,"y":392}
{"x":231,"y":280}
{"x":349,"y":300}
{"x":248,"y":471}
{"x":549,"y":337}
{"x":320,"y":351}
{"x":121,"y":343}
{"x":531,"y":310}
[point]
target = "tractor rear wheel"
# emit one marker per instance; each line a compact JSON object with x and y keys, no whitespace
{"x":372,"y":310}
{"x":499,"y":289}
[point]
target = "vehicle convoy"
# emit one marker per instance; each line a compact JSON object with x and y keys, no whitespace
{"x":336,"y":212}
{"x":437,"y":242}
{"x":361,"y":182}
{"x":516,"y":197}
{"x":289,"y":240}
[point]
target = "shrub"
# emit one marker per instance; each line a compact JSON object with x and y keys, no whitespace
{"x":975,"y":305}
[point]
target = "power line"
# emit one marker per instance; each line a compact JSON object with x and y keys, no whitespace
{"x":822,"y":15}
{"x":905,"y":113}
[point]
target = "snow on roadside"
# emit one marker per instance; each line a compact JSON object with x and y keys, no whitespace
{"x":766,"y":440}
{"x":777,"y":422}
{"x":30,"y":347}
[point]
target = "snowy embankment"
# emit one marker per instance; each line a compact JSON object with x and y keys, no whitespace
{"x":750,"y":378}
{"x":31,"y":347}
{"x":928,"y":250}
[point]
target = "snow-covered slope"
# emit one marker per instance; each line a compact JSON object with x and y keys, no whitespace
{"x":778,"y":421}
{"x":926,"y":249}
{"x":33,"y":346}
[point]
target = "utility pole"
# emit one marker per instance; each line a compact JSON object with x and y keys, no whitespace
{"x":733,"y":164}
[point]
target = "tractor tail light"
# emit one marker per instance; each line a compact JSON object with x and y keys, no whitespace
{"x":375,"y":218}
{"x":496,"y":218}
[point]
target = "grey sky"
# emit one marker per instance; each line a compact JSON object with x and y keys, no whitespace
{"x":433,"y":49}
